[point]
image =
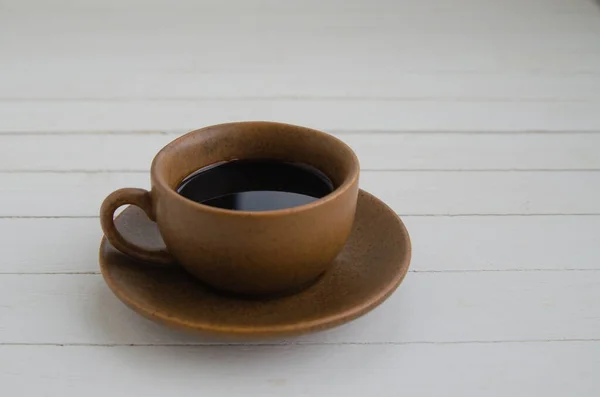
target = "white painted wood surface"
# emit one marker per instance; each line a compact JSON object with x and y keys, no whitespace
{"x":377,"y":151}
{"x":430,"y":307}
{"x":331,"y":114}
{"x":440,"y":243}
{"x":79,"y":194}
{"x":477,"y":120}
{"x":494,"y":369}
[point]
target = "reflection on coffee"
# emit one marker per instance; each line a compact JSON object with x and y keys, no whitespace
{"x":256,"y":185}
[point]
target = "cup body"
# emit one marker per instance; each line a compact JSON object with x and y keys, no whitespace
{"x":254,"y":252}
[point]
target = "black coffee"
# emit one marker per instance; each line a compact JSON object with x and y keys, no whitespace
{"x":256,"y":185}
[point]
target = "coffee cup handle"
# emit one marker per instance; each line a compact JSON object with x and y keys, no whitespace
{"x":140,"y":198}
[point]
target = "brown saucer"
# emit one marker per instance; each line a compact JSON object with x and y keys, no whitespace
{"x":370,"y":267}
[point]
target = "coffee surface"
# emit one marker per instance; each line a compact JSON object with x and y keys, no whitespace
{"x":256,"y":185}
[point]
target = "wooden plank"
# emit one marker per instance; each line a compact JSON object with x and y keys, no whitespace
{"x":428,"y":307}
{"x":359,"y":115}
{"x":577,"y":41}
{"x":523,"y":37}
{"x":507,"y":10}
{"x":318,"y":12}
{"x":327,"y":53}
{"x":502,"y":243}
{"x":407,"y":192}
{"x":466,"y":44}
{"x":103,"y":56}
{"x":474,"y":243}
{"x":376,"y":151}
{"x":61,"y":245}
{"x":517,"y":369}
{"x":71,"y":83}
{"x":306,"y":5}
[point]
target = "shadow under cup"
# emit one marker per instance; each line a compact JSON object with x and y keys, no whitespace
{"x":266,"y":252}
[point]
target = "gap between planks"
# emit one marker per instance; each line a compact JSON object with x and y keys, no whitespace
{"x":132,"y":171}
{"x":177,"y":132}
{"x":96,"y":273}
{"x":401,"y":215}
{"x":301,"y":98}
{"x":299,"y":343}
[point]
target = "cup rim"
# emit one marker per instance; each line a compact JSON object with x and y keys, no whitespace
{"x":350,"y":180}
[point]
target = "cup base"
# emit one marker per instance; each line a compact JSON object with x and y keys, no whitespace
{"x":265,"y":295}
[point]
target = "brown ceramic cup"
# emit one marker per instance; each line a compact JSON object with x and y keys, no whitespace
{"x":244,"y":251}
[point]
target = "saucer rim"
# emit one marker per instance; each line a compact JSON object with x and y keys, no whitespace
{"x":301,"y":327}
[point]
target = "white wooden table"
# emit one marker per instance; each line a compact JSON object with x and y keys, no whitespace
{"x":477,"y":120}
